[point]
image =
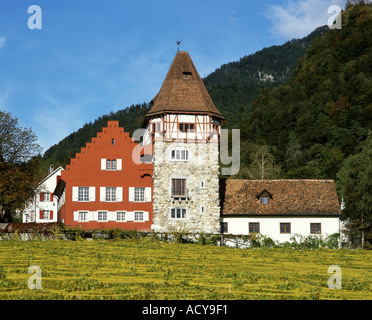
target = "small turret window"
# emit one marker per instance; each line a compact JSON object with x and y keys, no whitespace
{"x":186,"y":75}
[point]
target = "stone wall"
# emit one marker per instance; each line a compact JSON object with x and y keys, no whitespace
{"x":201,"y":166}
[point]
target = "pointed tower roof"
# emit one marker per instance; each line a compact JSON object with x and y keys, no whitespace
{"x":183,"y":91}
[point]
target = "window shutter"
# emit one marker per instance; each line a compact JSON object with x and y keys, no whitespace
{"x":119,"y":164}
{"x":148,"y":194}
{"x":92,"y":194}
{"x":51,"y":197}
{"x":76,"y":215}
{"x":51,"y":215}
{"x":41,"y":196}
{"x":102,"y":194}
{"x":145,"y":216}
{"x":129,"y":216}
{"x":41,"y":214}
{"x":75,"y":193}
{"x":131,"y":194}
{"x":103,"y":164}
{"x":119,"y":194}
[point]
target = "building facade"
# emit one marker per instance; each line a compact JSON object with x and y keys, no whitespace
{"x":183,"y":127}
{"x":106,"y":187}
{"x":43,"y":207}
{"x":280,"y":209}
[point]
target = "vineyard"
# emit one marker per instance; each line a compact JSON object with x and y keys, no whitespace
{"x":151,"y":269}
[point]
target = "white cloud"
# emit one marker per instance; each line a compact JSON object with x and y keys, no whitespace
{"x":2,"y":42}
{"x":296,"y":19}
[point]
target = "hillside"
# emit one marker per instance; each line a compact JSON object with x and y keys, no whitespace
{"x":130,"y":118}
{"x":235,"y":85}
{"x":320,"y":117}
{"x":232,"y":87}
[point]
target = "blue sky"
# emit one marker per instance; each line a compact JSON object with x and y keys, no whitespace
{"x":92,"y":57}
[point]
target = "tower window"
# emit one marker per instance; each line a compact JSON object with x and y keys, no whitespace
{"x":179,"y":155}
{"x":179,"y":187}
{"x":186,"y":75}
{"x":186,"y":127}
{"x":112,"y":141}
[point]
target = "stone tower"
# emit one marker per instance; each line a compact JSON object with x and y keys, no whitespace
{"x":183,"y":126}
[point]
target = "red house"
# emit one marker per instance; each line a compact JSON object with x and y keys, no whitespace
{"x":105,"y":187}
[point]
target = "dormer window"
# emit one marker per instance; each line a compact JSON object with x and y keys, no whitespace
{"x":265,"y":197}
{"x":186,"y":75}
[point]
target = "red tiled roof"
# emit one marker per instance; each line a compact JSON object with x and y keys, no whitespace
{"x":289,"y":197}
{"x":183,"y":90}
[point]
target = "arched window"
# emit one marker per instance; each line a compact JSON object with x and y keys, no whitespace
{"x":108,"y":164}
{"x":113,"y":164}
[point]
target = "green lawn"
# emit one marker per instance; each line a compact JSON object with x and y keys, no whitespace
{"x":147,"y":269}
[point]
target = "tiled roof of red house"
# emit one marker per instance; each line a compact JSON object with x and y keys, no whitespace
{"x":183,"y":90}
{"x":286,"y":197}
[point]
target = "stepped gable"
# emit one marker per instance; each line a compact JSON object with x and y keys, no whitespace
{"x":183,"y":91}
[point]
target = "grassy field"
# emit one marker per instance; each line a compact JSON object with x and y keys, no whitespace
{"x":128,"y":269}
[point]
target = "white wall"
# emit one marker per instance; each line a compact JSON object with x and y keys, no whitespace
{"x":33,"y":206}
{"x":270,"y":226}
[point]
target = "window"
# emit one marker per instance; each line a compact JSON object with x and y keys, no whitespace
{"x":120,"y":216}
{"x":186,"y":75}
{"x":179,"y":155}
{"x":224,"y":227}
{"x":139,"y":194}
{"x":179,"y":187}
{"x":112,"y":141}
{"x":83,"y":216}
{"x":254,"y":227}
{"x":156,"y":127}
{"x":202,"y":209}
{"x":102,"y":215}
{"x":264,"y":200}
{"x":285,"y":228}
{"x":110,"y":194}
{"x":46,"y":214}
{"x":186,"y":127}
{"x":315,"y":228}
{"x":108,"y":164}
{"x":113,"y":165}
{"x":202,"y":184}
{"x":178,"y":213}
{"x":138,"y":216}
{"x":83,"y":194}
{"x":45,"y":196}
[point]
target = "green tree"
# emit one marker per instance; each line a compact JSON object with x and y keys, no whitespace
{"x":355,"y":184}
{"x":262,"y":165}
{"x":293,"y":154}
{"x":18,"y":165}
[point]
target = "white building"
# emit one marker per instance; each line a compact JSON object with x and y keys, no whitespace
{"x":280,"y":209}
{"x":43,"y":207}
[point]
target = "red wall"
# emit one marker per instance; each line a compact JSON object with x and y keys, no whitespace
{"x":85,"y":171}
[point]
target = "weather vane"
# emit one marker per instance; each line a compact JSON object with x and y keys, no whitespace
{"x":178,"y":45}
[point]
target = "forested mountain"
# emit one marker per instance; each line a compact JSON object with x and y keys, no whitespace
{"x":130,"y":118}
{"x":235,"y":85}
{"x":273,"y":64}
{"x":232,"y":87}
{"x":321,"y":115}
